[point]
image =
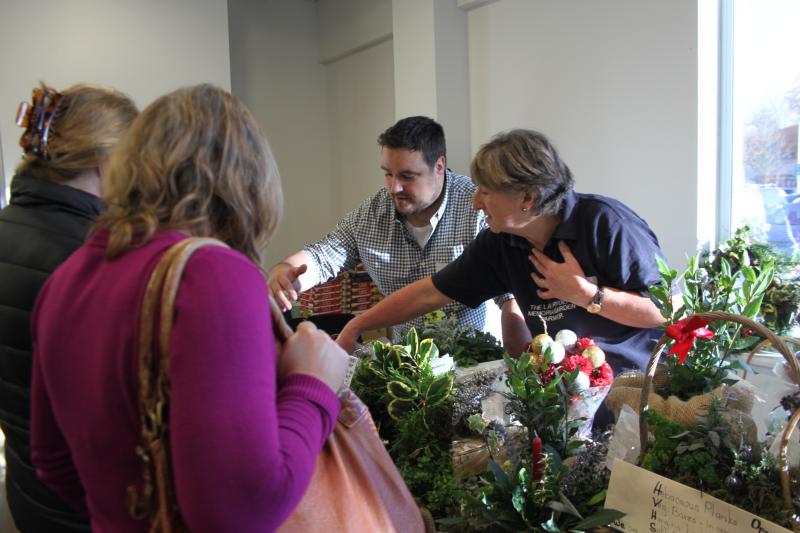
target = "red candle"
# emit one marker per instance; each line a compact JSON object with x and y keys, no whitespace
{"x":537,"y":457}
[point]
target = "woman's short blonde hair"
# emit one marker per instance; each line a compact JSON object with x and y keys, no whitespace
{"x":524,"y":161}
{"x":195,"y":160}
{"x":89,"y":123}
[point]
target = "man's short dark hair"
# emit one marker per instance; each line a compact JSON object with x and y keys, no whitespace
{"x":416,"y":133}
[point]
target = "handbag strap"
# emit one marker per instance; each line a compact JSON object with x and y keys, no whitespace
{"x":157,"y":500}
{"x":159,"y":303}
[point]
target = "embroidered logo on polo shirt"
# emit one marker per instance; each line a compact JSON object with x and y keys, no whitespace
{"x":550,"y":311}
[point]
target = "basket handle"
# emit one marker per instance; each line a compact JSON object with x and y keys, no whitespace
{"x":763,"y":344}
{"x":783,"y":463}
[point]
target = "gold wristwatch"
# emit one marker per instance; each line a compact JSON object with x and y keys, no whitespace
{"x":596,"y":305}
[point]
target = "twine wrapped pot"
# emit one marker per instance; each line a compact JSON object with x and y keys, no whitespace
{"x":627,"y":389}
{"x":648,"y":399}
{"x":637,"y":390}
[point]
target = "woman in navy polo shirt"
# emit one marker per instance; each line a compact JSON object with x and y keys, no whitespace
{"x":582,"y":262}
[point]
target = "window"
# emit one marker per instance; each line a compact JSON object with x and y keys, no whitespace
{"x":759,"y":117}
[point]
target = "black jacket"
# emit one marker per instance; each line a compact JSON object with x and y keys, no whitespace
{"x":42,"y":225}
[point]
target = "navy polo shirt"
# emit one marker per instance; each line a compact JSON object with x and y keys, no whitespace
{"x":614,"y":246}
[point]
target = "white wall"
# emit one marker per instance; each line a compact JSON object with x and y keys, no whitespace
{"x":614,"y":86}
{"x":431,"y":70}
{"x":356,"y":46}
{"x":613,"y":83}
{"x":360,"y":100}
{"x":142,"y":47}
{"x":452,"y":82}
{"x":275,"y":71}
{"x":348,"y":26}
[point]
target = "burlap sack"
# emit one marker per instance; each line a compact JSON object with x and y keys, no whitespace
{"x":738,"y":398}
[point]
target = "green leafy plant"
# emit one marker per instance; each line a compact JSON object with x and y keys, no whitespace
{"x":412,"y":409}
{"x":542,"y":408}
{"x":779,"y":310}
{"x":739,"y":291}
{"x":466,"y":345}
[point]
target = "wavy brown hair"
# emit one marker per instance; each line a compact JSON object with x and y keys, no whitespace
{"x":195,"y":160}
{"x":90,"y":121}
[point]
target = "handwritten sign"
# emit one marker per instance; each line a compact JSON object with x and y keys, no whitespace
{"x":655,"y":504}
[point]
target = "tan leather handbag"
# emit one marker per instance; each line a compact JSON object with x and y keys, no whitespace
{"x":356,"y":488}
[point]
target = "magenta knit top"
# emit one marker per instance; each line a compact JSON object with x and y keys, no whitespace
{"x":243,"y":446}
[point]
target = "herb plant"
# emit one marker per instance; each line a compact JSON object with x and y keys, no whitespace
{"x":714,"y":457}
{"x":779,"y":310}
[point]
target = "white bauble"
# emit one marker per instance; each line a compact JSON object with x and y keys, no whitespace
{"x":567,"y":338}
{"x":580,"y":384}
{"x":556,"y":350}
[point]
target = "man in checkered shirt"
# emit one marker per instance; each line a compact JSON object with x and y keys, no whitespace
{"x":418,"y":223}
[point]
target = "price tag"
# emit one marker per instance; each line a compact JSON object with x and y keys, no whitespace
{"x":352,"y":364}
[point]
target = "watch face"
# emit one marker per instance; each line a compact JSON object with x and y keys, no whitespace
{"x":593,"y":307}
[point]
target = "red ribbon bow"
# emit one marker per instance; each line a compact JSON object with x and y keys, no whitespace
{"x":685,"y":331}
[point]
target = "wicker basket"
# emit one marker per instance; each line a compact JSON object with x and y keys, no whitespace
{"x":779,"y":343}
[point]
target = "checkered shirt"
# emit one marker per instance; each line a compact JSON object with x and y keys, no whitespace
{"x":373,"y":234}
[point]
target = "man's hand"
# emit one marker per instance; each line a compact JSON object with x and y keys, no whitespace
{"x":348,"y":337}
{"x":284,"y":283}
{"x":565,"y":281}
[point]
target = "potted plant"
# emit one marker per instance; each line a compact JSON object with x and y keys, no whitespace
{"x":699,"y":364}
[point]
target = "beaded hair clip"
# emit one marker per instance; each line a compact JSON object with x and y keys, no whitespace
{"x":37,"y":119}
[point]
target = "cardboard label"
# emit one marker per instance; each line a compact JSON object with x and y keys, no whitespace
{"x":655,"y":504}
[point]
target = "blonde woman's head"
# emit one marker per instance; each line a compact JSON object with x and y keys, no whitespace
{"x":195,"y":160}
{"x":86,"y":126}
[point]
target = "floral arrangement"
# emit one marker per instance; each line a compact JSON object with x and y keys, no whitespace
{"x":698,"y":415}
{"x":583,"y":354}
{"x":537,"y":467}
{"x":541,"y":477}
{"x":412,"y":409}
{"x":568,"y":354}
